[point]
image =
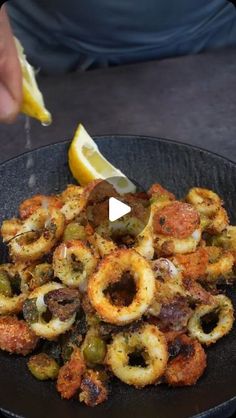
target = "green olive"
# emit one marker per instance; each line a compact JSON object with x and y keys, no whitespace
{"x":74,"y":231}
{"x":5,"y":285}
{"x":43,"y":367}
{"x":94,"y":350}
{"x":158,"y":198}
{"x":204,"y":220}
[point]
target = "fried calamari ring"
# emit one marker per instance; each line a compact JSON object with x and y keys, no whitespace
{"x":38,"y":235}
{"x":110,"y":271}
{"x":220,"y":264}
{"x":188,"y":364}
{"x":16,"y":336}
{"x":10,"y":228}
{"x":218,"y":223}
{"x":223,"y":307}
{"x":73,"y":202}
{"x":29,"y":206}
{"x":149,"y":342}
{"x":206,"y":201}
{"x":35,"y":308}
{"x":214,"y":218}
{"x":176,"y":228}
{"x":10,"y":302}
{"x":73,"y":263}
{"x":70,"y":375}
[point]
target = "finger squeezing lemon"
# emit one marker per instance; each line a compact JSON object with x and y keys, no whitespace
{"x":33,"y":103}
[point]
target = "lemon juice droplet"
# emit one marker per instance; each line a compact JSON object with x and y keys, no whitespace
{"x":46,"y":123}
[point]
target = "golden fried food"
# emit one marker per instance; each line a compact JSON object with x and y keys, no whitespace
{"x":16,"y":336}
{"x":70,"y":375}
{"x":38,"y":235}
{"x":34,"y":309}
{"x":93,"y":390}
{"x":109,"y":272}
{"x":73,"y":263}
{"x":29,"y":206}
{"x":192,"y":265}
{"x":187,"y":363}
{"x":147,"y":342}
{"x":223,"y":309}
{"x":137,"y":298}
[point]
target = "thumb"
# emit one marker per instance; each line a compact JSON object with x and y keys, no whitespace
{"x":8,"y":106}
{"x":10,"y":72}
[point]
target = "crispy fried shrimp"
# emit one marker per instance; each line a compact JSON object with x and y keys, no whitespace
{"x":73,"y":202}
{"x":73,"y":263}
{"x":176,"y":229}
{"x":16,"y":336}
{"x":110,"y":272}
{"x":10,"y":228}
{"x":223,"y":308}
{"x":38,"y":235}
{"x":10,"y":301}
{"x":187,"y":362}
{"x":44,"y":323}
{"x":70,"y":375}
{"x":157,"y":191}
{"x":220,"y":265}
{"x":94,"y":390}
{"x":192,"y":265}
{"x":149,"y":343}
{"x":29,"y":206}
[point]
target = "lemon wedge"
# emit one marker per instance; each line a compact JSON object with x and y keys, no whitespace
{"x":33,"y":103}
{"x":87,"y":163}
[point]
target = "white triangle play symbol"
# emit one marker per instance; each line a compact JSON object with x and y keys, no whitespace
{"x":117,"y":209}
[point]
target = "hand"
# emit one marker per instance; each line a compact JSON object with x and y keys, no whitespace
{"x":10,"y":72}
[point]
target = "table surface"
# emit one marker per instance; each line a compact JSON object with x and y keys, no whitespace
{"x":191,"y":99}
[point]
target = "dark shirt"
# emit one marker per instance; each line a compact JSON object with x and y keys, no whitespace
{"x":62,"y":35}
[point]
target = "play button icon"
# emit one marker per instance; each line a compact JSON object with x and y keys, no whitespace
{"x":115,"y":216}
{"x":117,"y":209}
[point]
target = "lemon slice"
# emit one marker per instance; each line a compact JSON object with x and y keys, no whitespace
{"x":33,"y":103}
{"x":87,"y":163}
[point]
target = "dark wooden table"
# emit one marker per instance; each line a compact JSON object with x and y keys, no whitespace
{"x":191,"y":99}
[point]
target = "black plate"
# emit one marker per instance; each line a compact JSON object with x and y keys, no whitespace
{"x":177,"y":167}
